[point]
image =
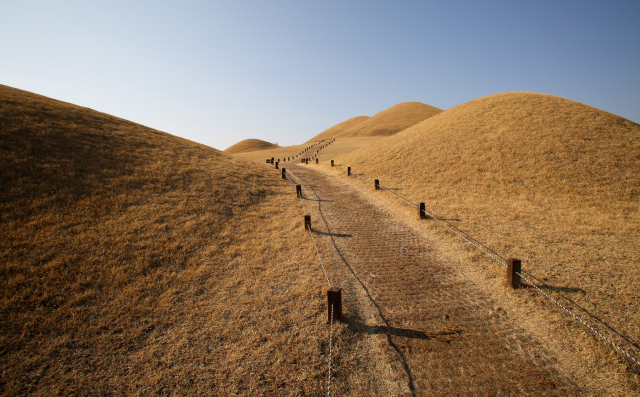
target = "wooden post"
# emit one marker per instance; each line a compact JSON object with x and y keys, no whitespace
{"x":332,"y":163}
{"x":271,"y":160}
{"x":276,"y":165}
{"x":302,"y":160}
{"x":284,"y":173}
{"x":348,"y":171}
{"x":421,"y":212}
{"x":299,"y":191}
{"x":334,"y":298}
{"x":316,"y":160}
{"x":307,"y":222}
{"x":377,"y":184}
{"x":514,"y":267}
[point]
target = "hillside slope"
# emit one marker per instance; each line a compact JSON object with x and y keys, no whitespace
{"x":392,"y":120}
{"x":250,"y":145}
{"x":339,"y":128}
{"x":133,"y":262}
{"x":545,"y":179}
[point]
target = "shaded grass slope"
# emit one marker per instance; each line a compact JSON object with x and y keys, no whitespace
{"x":339,"y":128}
{"x":545,"y":179}
{"x":250,"y":145}
{"x":132,"y":262}
{"x":392,"y":120}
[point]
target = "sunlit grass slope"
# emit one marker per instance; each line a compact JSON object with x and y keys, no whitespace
{"x":392,"y":120}
{"x":136,"y":262}
{"x":250,"y":145}
{"x":339,"y":128}
{"x":545,"y":179}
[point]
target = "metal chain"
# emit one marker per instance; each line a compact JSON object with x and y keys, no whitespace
{"x":330,"y":354}
{"x":319,"y":257}
{"x":324,"y":270}
{"x":578,"y":318}
{"x":299,"y":195}
{"x":450,"y":228}
{"x":360,"y":176}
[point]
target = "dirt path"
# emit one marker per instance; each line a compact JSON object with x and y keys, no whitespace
{"x":421,"y":327}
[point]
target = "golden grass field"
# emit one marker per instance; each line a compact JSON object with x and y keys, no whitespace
{"x":250,"y":145}
{"x":392,"y":120}
{"x":339,"y":128}
{"x":136,"y":262}
{"x":282,"y":153}
{"x":544,"y":179}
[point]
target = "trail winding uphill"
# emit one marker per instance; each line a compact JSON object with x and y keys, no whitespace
{"x":428,"y":330}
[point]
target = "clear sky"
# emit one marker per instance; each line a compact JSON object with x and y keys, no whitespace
{"x":218,"y":72}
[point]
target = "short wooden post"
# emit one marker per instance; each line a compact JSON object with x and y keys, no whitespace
{"x":278,"y":160}
{"x":334,"y":298}
{"x":376,"y":184}
{"x":307,"y":222}
{"x":421,"y":212}
{"x":316,"y":160}
{"x":271,"y":160}
{"x":348,"y":171}
{"x":302,"y":160}
{"x":299,"y":191}
{"x":514,"y":267}
{"x":276,"y":165}
{"x":332,"y":163}
{"x":284,"y":173}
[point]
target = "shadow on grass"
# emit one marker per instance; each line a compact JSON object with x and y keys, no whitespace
{"x":562,"y":290}
{"x":404,"y":332}
{"x":331,"y":234}
{"x":386,"y":326}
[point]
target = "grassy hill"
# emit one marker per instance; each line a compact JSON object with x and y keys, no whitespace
{"x":339,"y":128}
{"x":250,"y":145}
{"x":545,"y":179}
{"x":392,"y":120}
{"x":136,"y":262}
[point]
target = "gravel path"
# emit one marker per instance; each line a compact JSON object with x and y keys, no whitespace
{"x":423,"y":328}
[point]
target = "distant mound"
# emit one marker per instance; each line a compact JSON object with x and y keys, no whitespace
{"x":250,"y":145}
{"x":339,"y":128}
{"x":551,"y":144}
{"x":544,"y":179}
{"x":393,"y":120}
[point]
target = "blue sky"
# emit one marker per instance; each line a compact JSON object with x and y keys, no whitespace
{"x":217,"y":72}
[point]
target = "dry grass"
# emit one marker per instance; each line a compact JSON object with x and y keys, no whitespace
{"x":283,"y":153}
{"x":343,"y":146}
{"x":392,"y":120}
{"x":250,"y":145}
{"x":550,"y":181}
{"x":136,"y":262}
{"x":339,"y":128}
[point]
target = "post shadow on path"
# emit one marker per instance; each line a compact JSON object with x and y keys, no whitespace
{"x":356,"y":322}
{"x":542,"y":284}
